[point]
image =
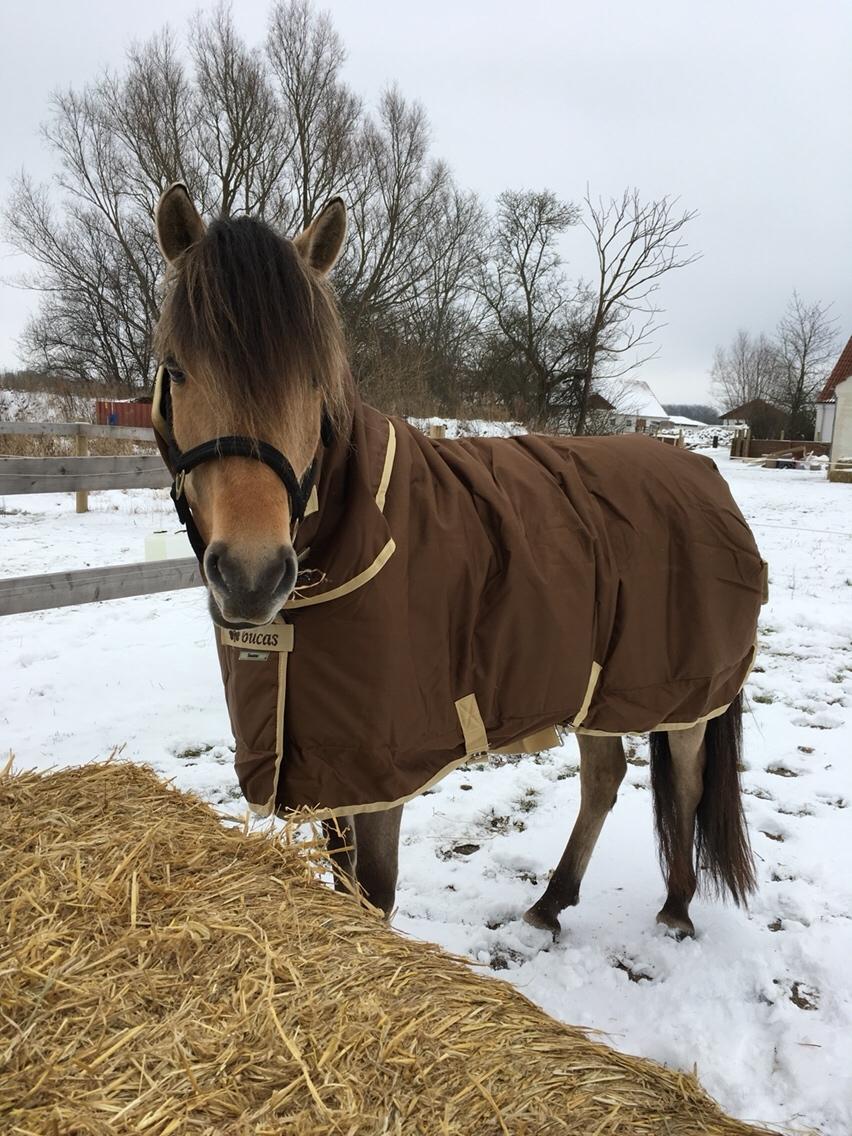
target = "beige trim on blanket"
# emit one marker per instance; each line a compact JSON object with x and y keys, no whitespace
{"x":387,"y":469}
{"x":668,"y":727}
{"x":384,"y":556}
{"x":351,"y":585}
{"x":285,"y":635}
{"x":594,"y":675}
{"x":313,"y":502}
{"x":381,"y":806}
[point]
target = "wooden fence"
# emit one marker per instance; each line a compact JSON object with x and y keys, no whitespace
{"x":79,"y":474}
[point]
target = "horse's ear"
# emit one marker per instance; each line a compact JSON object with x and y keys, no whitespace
{"x":321,"y":242}
{"x":177,"y":222}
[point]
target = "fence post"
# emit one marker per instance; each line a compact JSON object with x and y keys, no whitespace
{"x":437,"y":430}
{"x":81,"y":449}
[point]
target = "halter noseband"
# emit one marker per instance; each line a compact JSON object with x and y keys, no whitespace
{"x":180,"y":462}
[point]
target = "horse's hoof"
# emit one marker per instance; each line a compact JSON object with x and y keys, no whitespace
{"x":544,"y":920}
{"x":679,"y":927}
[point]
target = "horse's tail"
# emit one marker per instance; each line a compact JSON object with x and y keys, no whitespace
{"x":722,"y":845}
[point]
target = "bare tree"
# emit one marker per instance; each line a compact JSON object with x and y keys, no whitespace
{"x":398,"y":196}
{"x":531,"y":346}
{"x":805,"y":346}
{"x":744,"y":371}
{"x":637,"y":244}
{"x":90,"y":233}
{"x":240,"y":135}
{"x":442,"y":313}
{"x":323,"y":116}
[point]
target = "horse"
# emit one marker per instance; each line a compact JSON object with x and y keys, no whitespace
{"x":315,"y":516}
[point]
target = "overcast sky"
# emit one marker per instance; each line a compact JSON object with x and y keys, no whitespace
{"x":743,"y":108}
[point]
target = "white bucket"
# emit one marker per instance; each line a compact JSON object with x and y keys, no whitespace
{"x":167,"y":545}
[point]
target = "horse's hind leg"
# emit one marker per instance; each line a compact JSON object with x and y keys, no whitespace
{"x":340,"y":841}
{"x":677,"y":778}
{"x":602,"y":768}
{"x":377,"y":842}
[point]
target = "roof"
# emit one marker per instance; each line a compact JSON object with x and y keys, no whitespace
{"x":842,"y":370}
{"x":679,"y":420}
{"x":633,"y":397}
{"x":755,"y":405}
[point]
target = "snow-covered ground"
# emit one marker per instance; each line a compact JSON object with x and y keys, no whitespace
{"x":760,"y":1003}
{"x":470,"y":428}
{"x":42,"y":406}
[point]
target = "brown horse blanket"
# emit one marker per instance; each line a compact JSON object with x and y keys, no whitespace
{"x":460,"y":597}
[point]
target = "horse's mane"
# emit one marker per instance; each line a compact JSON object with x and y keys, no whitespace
{"x":245,"y":313}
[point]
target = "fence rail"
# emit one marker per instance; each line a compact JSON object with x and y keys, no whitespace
{"x":89,"y":585}
{"x":81,"y":432}
{"x":60,"y":475}
{"x":76,"y":430}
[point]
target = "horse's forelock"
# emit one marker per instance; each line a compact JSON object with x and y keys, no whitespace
{"x":246,"y":315}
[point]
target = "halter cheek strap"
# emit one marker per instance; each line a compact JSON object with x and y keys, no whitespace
{"x":183,"y":462}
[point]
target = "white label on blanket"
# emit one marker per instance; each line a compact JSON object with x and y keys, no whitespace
{"x":271,"y":637}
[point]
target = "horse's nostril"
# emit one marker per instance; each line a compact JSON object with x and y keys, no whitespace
{"x":212,"y":564}
{"x":250,"y":586}
{"x":289,"y":572}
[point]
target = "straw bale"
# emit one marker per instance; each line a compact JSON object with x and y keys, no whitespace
{"x":162,"y":973}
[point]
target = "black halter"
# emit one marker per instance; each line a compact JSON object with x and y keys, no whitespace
{"x":180,"y":462}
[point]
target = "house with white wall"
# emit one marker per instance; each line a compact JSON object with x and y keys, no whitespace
{"x":635,"y":407}
{"x":826,"y":404}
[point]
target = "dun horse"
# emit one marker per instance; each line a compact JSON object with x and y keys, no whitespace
{"x":389,"y":606}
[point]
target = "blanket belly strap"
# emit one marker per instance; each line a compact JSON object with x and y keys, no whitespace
{"x":476,"y":736}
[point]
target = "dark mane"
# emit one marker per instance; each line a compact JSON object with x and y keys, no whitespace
{"x":246,"y":314}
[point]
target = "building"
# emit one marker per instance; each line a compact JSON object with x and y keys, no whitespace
{"x":762,"y":418}
{"x":634,"y":407}
{"x":826,"y":405}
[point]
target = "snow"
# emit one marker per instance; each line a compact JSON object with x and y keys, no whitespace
{"x":680,"y":420}
{"x":760,"y":1003}
{"x":633,"y":397}
{"x":470,"y":428}
{"x":43,"y":406}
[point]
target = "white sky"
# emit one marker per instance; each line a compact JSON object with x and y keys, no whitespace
{"x":741,"y":107}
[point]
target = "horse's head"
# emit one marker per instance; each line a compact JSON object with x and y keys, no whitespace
{"x":252,"y":344}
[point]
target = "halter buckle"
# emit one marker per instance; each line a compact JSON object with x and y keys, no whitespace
{"x":179,"y":480}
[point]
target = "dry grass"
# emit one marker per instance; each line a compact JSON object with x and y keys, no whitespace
{"x":49,"y":446}
{"x":162,"y":973}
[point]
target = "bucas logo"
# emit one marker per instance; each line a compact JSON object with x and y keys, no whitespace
{"x":278,"y":637}
{"x":254,"y":638}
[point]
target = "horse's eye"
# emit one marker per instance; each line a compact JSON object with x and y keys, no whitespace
{"x":176,"y":375}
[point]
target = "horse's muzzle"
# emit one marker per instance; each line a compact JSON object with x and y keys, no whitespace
{"x":249,"y":590}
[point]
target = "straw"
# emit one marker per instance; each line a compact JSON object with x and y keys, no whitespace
{"x":163,"y":973}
